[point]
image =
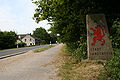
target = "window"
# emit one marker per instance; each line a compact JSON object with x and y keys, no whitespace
{"x":25,"y":40}
{"x":30,"y":43}
{"x":30,"y":39}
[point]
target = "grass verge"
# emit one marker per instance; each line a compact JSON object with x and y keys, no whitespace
{"x":43,"y":49}
{"x":71,"y":69}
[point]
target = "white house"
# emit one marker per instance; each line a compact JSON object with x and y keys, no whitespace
{"x":28,"y":39}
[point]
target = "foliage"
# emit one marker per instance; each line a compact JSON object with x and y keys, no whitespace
{"x":78,"y":50}
{"x":68,"y":18}
{"x":115,"y":34}
{"x":71,"y":69}
{"x":42,"y":42}
{"x":53,"y":38}
{"x":112,"y":69}
{"x":21,"y":44}
{"x":80,"y":53}
{"x":62,"y":21}
{"x":7,"y":39}
{"x":41,"y":34}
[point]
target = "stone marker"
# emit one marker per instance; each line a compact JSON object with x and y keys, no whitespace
{"x":98,"y":42}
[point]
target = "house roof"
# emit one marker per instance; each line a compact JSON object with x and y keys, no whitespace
{"x":34,"y":37}
{"x":23,"y":35}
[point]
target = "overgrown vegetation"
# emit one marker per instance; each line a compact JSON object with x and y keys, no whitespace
{"x":71,"y":69}
{"x":44,"y":48}
{"x":112,"y":67}
{"x":68,"y":18}
{"x":115,"y":34}
{"x":21,"y":44}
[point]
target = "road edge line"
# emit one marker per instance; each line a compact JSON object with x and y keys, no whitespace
{"x":2,"y":57}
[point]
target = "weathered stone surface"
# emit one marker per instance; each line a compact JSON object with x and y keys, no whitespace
{"x":98,"y":42}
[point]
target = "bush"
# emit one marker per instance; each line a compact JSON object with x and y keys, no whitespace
{"x":115,"y":34}
{"x":78,"y":49}
{"x":71,"y":47}
{"x":112,"y":69}
{"x":21,"y":44}
{"x":42,"y":42}
{"x":81,"y":52}
{"x":113,"y":66}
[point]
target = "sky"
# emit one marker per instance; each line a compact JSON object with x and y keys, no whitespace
{"x":16,"y":15}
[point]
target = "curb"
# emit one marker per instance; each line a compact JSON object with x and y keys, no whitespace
{"x":2,"y":57}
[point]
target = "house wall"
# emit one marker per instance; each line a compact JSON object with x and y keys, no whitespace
{"x":29,"y":40}
{"x":18,"y":41}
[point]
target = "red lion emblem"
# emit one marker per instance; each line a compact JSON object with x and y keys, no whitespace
{"x":99,"y":33}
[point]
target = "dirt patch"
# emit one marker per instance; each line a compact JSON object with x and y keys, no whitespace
{"x":88,"y":70}
{"x":69,"y":69}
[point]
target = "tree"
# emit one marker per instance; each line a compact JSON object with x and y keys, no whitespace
{"x":7,"y":39}
{"x":1,"y":39}
{"x":68,"y":18}
{"x":42,"y":34}
{"x":53,"y":38}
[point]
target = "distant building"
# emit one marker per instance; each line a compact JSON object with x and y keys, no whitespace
{"x":28,"y":39}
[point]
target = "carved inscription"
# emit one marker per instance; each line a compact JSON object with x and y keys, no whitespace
{"x":98,"y":42}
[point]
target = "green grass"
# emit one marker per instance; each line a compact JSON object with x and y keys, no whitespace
{"x":67,"y":67}
{"x":43,"y":49}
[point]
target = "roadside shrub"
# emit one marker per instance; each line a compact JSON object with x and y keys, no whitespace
{"x":21,"y":44}
{"x":113,"y":66}
{"x":81,"y":52}
{"x":115,"y":34}
{"x":112,"y":69}
{"x":78,"y":50}
{"x":71,"y":47}
{"x":42,"y":42}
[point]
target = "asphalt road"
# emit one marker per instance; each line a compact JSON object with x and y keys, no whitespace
{"x":32,"y":66}
{"x":11,"y":52}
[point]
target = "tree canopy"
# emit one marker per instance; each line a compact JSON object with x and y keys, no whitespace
{"x":44,"y":36}
{"x":68,"y":16}
{"x":41,"y":34}
{"x":7,"y":39}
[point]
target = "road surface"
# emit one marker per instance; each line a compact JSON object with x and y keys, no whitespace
{"x":31,"y":66}
{"x":10,"y":52}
